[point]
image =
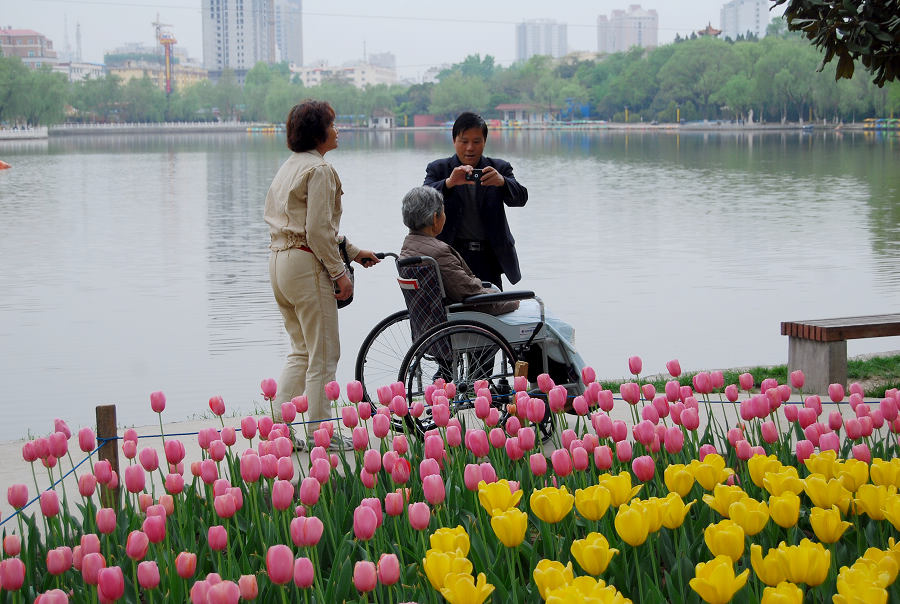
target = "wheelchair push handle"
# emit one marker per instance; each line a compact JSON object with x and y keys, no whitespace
{"x":383,"y":255}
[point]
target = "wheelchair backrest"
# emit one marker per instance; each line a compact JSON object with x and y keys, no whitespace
{"x":423,"y":291}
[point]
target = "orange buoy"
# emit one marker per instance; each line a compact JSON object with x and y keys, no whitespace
{"x":4,"y":165}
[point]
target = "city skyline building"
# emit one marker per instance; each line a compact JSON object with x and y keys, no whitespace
{"x":289,"y":31}
{"x":237,"y":34}
{"x":740,"y":17}
{"x":541,"y":37}
{"x":35,"y":49}
{"x":625,"y":29}
{"x":360,"y":74}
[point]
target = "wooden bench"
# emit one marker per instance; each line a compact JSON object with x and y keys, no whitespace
{"x":819,"y":347}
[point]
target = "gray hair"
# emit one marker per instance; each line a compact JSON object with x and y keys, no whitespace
{"x":419,"y":207}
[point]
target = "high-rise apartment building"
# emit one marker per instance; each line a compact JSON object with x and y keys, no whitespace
{"x":540,"y":37}
{"x":237,"y":34}
{"x":624,"y":29}
{"x":289,"y":31}
{"x":742,"y":16}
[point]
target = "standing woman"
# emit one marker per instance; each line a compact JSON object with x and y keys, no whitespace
{"x":303,"y":211}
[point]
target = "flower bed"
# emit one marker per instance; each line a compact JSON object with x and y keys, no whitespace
{"x":778,"y":503}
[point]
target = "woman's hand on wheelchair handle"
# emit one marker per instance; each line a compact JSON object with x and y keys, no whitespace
{"x":366,"y":258}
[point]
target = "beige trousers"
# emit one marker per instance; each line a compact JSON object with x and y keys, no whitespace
{"x":305,"y":296}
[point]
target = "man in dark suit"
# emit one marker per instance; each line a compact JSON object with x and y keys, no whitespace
{"x":475,"y":189}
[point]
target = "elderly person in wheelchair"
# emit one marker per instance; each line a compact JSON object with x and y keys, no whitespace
{"x":467,"y":330}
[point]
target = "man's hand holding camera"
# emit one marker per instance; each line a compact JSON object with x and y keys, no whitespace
{"x":467,"y":175}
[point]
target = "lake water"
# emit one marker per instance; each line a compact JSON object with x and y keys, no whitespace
{"x":135,"y":264}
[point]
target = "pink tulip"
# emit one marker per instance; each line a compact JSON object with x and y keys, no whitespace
{"x":603,"y":425}
{"x":306,"y":531}
{"x":111,"y":583}
{"x":186,"y":564}
{"x":208,"y":471}
{"x":605,"y":400}
{"x":623,"y":451}
{"x":643,"y":432}
{"x":580,"y":460}
{"x":59,"y":560}
{"x":279,"y":564}
{"x":419,"y":515}
{"x":649,"y":413}
{"x":269,"y":388}
{"x":304,"y":573}
{"x":690,"y":419}
{"x":862,"y":453}
{"x":225,"y":506}
{"x":631,"y":392}
{"x":149,"y":459}
{"x":791,"y":413}
{"x":12,"y":574}
{"x":87,"y":442}
{"x":538,"y":464}
{"x":17,"y":495}
{"x":283,"y":494}
{"x":705,"y":450}
{"x":731,"y":392}
{"x":433,"y":487}
{"x":674,"y":440}
{"x":332,"y":391}
{"x":702,"y":383}
{"x":835,"y":420}
{"x":497,"y":438}
{"x":635,"y":365}
{"x":673,"y":391}
{"x":854,"y":428}
{"x":477,"y":442}
{"x":148,"y":574}
{"x":488,"y":473}
{"x":365,"y":576}
{"x":354,"y":392}
{"x":388,"y":569}
{"x":674,"y":368}
{"x":743,"y":450}
{"x":562,"y":462}
{"x":217,"y":405}
{"x":746,"y":381}
{"x":527,"y":438}
{"x":513,"y":450}
{"x":106,"y":520}
{"x":685,"y":393}
{"x":619,"y":430}
{"x":49,"y":503}
{"x":836,"y":392}
{"x":867,"y":423}
{"x":769,"y":432}
{"x":400,"y":471}
{"x":364,"y":522}
{"x":393,"y":502}
{"x":12,"y":545}
{"x":644,"y":468}
{"x":797,"y":379}
{"x":556,"y":398}
{"x":136,"y":545}
{"x":829,"y":441}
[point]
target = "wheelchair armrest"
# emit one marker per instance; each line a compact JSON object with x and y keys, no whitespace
{"x":479,"y":299}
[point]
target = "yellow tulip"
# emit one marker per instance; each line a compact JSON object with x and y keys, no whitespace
{"x":750,"y":514}
{"x":586,"y":589}
{"x":631,"y":524}
{"x":619,"y":487}
{"x":784,"y":509}
{"x":678,"y":479}
{"x":853,"y":474}
{"x":711,"y":471}
{"x":769,"y":569}
{"x":510,"y":526}
{"x":497,"y":497}
{"x":805,"y":563}
{"x":825,"y":493}
{"x":715,"y":581}
{"x":822,"y":463}
{"x":827,"y":524}
{"x":653,"y":512}
{"x":438,"y":565}
{"x":723,"y":496}
{"x":857,"y":585}
{"x":592,"y":502}
{"x":550,"y":574}
{"x":760,"y":465}
{"x":725,"y":538}
{"x":451,"y":540}
{"x":778,"y":483}
{"x":462,"y":588}
{"x":882,"y":564}
{"x":593,"y":553}
{"x":871,"y":500}
{"x":885,"y":472}
{"x":674,"y":510}
{"x":551,"y":504}
{"x":784,"y":593}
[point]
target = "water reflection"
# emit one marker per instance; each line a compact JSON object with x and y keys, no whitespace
{"x":132,"y":264}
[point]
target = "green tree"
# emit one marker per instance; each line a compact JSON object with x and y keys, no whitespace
{"x":851,"y":30}
{"x":281,"y":97}
{"x":142,"y":101}
{"x":13,"y":78}
{"x":97,"y":99}
{"x":457,"y":93}
{"x":228,"y":96}
{"x":45,"y":95}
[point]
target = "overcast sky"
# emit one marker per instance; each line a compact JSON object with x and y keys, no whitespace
{"x":420,"y":33}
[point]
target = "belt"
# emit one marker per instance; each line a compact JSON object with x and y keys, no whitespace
{"x":470,"y":245}
{"x":304,"y":248}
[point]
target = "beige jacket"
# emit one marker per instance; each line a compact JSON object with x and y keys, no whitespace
{"x":459,"y":280}
{"x":303,"y":208}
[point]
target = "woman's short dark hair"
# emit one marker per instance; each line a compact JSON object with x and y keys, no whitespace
{"x":307,"y":125}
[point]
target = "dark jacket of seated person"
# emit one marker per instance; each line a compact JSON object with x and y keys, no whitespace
{"x":459,"y":280}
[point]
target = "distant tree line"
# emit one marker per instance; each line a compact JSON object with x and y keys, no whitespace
{"x":773,"y":79}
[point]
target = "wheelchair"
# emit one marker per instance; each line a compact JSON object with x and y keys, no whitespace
{"x":435,"y":339}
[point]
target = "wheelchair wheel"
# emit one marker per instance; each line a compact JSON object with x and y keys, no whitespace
{"x":463,"y":353}
{"x":381,"y":354}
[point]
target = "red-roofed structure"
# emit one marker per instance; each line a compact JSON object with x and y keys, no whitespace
{"x":35,"y":49}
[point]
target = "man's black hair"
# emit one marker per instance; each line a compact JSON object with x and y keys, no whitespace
{"x":467,"y":120}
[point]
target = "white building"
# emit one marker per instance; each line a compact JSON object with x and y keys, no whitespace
{"x":541,"y":37}
{"x":625,"y":29}
{"x":78,"y":71}
{"x":289,"y":31}
{"x":742,"y":16}
{"x":237,"y":34}
{"x":358,"y":74}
